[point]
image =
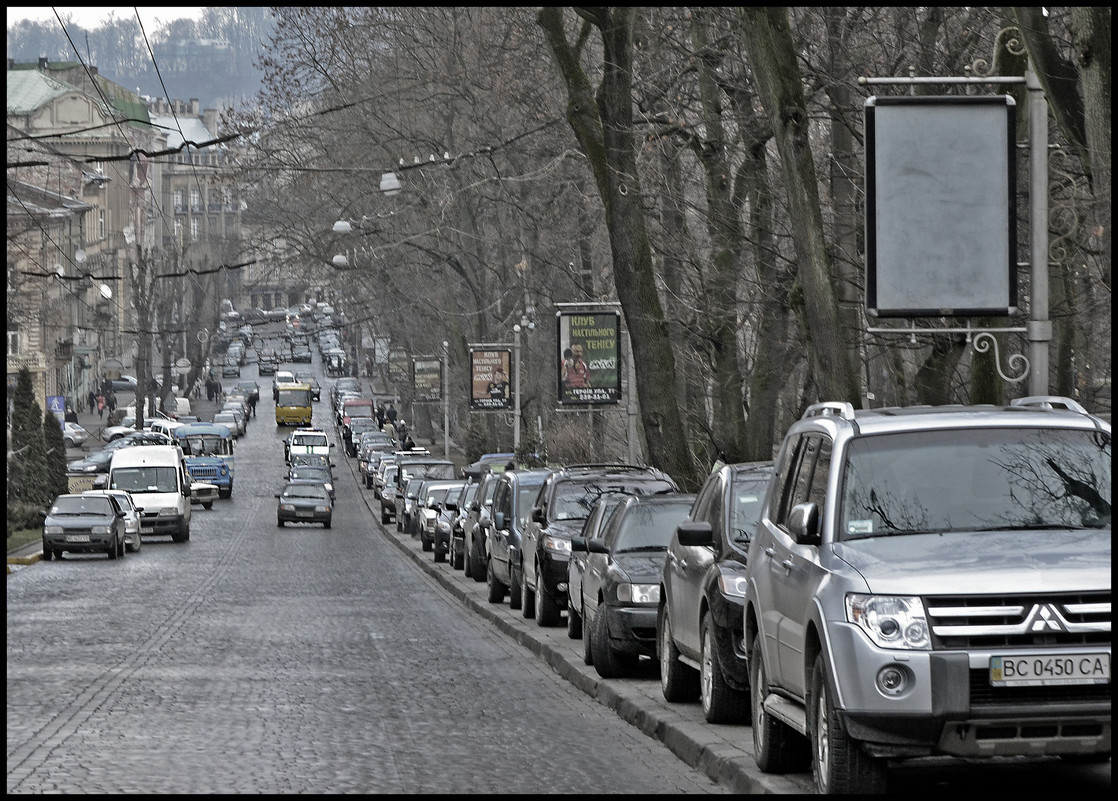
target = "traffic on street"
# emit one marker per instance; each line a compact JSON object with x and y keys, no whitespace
{"x":269,"y":653}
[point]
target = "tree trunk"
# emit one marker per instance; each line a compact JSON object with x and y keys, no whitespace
{"x":604,"y":129}
{"x":773,"y":58}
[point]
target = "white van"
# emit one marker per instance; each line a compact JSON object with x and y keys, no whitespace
{"x":157,"y":478}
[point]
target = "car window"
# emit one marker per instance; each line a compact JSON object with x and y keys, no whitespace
{"x":646,"y":526}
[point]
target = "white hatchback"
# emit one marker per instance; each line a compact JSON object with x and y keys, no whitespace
{"x":132,"y":538}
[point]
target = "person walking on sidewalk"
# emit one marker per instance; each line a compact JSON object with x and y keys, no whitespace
{"x":101,"y":406}
{"x":92,"y":401}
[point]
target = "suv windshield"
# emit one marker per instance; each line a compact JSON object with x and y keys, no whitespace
{"x":929,"y":482}
{"x":574,"y":499}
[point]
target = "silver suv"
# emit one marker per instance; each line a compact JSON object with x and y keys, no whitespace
{"x":931,"y":581}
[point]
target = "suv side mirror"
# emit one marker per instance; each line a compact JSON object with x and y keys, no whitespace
{"x":537,"y":515}
{"x":498,"y":520}
{"x":695,"y":533}
{"x":803,"y":524}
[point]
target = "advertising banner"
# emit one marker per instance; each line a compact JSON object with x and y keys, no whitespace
{"x":589,"y":367}
{"x":399,"y":365}
{"x":489,"y":380}
{"x":427,"y":378}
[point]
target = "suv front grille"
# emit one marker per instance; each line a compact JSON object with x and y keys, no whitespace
{"x":1010,"y":621}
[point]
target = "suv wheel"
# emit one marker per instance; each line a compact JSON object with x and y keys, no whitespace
{"x":678,"y":682}
{"x":608,"y":662}
{"x":547,"y":611}
{"x":721,"y":703}
{"x":113,"y":550}
{"x":777,"y":748}
{"x":497,"y":590}
{"x":838,"y":763}
{"x":477,"y":563}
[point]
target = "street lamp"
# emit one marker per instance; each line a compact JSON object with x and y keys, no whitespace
{"x":446,"y":401}
{"x":516,"y":392}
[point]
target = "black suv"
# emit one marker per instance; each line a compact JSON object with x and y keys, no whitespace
{"x":699,"y":628}
{"x":513,"y":498}
{"x":564,"y":502}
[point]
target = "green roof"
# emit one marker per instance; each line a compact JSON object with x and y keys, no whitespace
{"x":29,"y":90}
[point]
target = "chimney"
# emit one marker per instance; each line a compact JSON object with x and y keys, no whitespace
{"x":195,"y":106}
{"x":42,"y":62}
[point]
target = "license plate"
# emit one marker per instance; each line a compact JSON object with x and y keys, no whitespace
{"x":304,"y":514}
{"x":147,"y":530}
{"x":1046,"y":670}
{"x":77,"y":538}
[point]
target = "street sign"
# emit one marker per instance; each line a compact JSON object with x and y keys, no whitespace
{"x":56,"y":404}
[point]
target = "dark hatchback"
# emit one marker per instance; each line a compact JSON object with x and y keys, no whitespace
{"x":83,"y":524}
{"x":621,"y":585}
{"x":304,"y":502}
{"x":702,"y":593}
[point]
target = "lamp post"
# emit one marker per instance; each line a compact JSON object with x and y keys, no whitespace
{"x":516,"y":392}
{"x":446,"y":401}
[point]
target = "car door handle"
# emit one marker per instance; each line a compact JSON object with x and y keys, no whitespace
{"x":787,"y":565}
{"x":770,"y":552}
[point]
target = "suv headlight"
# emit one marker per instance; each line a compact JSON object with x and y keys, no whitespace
{"x":638,"y":593}
{"x":101,"y":530}
{"x":52,"y":529}
{"x":891,"y":621}
{"x":557,"y":545}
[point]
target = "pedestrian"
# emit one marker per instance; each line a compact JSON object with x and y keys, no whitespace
{"x":92,"y":400}
{"x":408,"y":442}
{"x":402,"y":432}
{"x":111,"y":400}
{"x":380,"y":416}
{"x":100,"y":405}
{"x":252,"y":405}
{"x":390,"y":414}
{"x":390,"y":429}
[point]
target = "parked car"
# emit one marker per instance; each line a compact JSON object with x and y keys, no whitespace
{"x":386,"y":480}
{"x":407,"y":505}
{"x":83,"y":524}
{"x":417,"y":466}
{"x":429,"y":505}
{"x":313,"y":472}
{"x":457,"y":509}
{"x":304,"y":502}
{"x":621,"y":585}
{"x":73,"y":435}
{"x":133,"y":540}
{"x":702,"y":593}
{"x":932,"y":581}
{"x":376,"y":469}
{"x":126,"y":383}
{"x":565,"y":501}
{"x":358,"y":426}
{"x":94,"y":462}
{"x":515,"y":493}
{"x":591,"y":530}
{"x":475,"y":527}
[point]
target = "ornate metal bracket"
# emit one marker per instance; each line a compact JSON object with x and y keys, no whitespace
{"x":984,"y":341}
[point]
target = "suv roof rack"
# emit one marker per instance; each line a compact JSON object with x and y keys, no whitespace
{"x":830,"y":409}
{"x":1049,"y":402}
{"x":606,"y":466}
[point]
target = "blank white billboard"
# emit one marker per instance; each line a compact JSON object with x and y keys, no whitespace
{"x":940,"y":219}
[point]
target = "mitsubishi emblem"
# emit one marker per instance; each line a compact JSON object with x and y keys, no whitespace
{"x":1044,"y":617}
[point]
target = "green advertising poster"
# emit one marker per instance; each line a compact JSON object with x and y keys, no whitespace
{"x":589,"y":368}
